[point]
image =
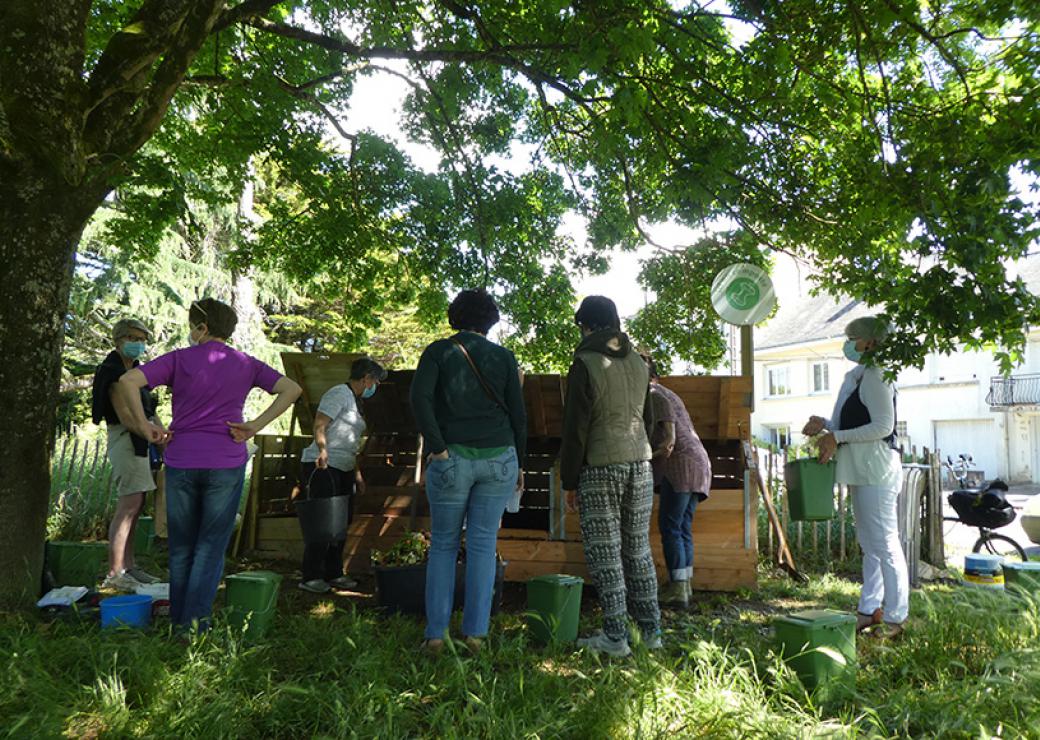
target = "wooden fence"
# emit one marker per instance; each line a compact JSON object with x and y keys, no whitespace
{"x":833,"y":543}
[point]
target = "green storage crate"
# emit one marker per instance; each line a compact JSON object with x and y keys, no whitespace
{"x":819,"y":644}
{"x":1022,"y":577}
{"x":144,"y":534}
{"x":252,"y":597}
{"x":810,"y":489}
{"x":553,"y":607}
{"x":77,"y":563}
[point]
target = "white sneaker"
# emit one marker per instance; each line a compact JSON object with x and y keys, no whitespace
{"x":344,"y":582}
{"x":121,"y":581}
{"x":600,"y":643}
{"x":317,"y":586}
{"x":142,"y":576}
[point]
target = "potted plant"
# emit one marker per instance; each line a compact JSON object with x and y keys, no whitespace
{"x":400,"y":575}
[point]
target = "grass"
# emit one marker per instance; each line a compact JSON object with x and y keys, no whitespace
{"x":969,"y":667}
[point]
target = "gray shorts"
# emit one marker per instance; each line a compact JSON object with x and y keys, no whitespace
{"x":132,"y":474}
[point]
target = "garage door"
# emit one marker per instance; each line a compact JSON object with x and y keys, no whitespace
{"x":975,"y":437}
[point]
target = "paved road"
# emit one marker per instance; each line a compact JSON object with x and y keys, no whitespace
{"x":959,"y":538}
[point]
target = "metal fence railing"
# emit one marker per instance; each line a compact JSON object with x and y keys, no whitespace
{"x":1014,"y":390}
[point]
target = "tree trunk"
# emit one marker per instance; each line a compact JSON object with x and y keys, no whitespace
{"x":41,"y":219}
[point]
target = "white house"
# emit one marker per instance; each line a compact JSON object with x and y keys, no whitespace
{"x":956,"y":403}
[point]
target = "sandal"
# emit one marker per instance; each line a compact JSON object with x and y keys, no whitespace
{"x":891,"y":631}
{"x":432,"y":647}
{"x":866,"y":621}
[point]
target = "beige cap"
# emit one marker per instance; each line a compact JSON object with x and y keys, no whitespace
{"x":123,"y":327}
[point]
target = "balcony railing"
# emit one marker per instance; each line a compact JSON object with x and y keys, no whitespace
{"x":1016,"y":390}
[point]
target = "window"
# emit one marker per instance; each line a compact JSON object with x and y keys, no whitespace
{"x":821,"y":377}
{"x":780,"y":437}
{"x":901,"y":429}
{"x":777,"y":383}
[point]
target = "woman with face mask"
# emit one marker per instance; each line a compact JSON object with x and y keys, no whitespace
{"x":328,"y":468}
{"x":127,"y":452}
{"x":860,"y":436}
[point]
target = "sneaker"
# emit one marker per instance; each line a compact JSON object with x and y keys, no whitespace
{"x":344,"y":582}
{"x":142,"y":576}
{"x":121,"y":581}
{"x":676,"y":593}
{"x":653,"y":642}
{"x":600,"y":643}
{"x":317,"y":586}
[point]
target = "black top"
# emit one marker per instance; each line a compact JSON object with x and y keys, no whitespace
{"x":452,"y":407}
{"x":107,"y":373}
{"x":854,"y":413}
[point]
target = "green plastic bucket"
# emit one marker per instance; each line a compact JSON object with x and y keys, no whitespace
{"x":810,"y":489}
{"x":77,"y":563}
{"x":819,"y":644}
{"x":553,"y":607}
{"x":251,"y":598}
{"x":144,"y":534}
{"x":1022,"y":577}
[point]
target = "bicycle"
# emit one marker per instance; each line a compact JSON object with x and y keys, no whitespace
{"x":998,"y":513}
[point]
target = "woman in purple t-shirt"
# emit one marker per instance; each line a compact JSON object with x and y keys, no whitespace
{"x":206,"y":453}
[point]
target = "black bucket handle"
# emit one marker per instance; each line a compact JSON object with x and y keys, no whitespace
{"x":310,"y":480}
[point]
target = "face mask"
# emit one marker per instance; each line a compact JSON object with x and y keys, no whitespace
{"x":851,"y":352}
{"x":368,"y":392}
{"x":133,"y":350}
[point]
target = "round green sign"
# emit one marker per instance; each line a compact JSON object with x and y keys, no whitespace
{"x":743,"y":294}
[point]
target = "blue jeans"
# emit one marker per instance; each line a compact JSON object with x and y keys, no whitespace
{"x":474,"y":492}
{"x":201,"y":504}
{"x":675,"y":520}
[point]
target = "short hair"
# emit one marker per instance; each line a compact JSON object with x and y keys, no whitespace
{"x":650,"y":364}
{"x":364,"y":366}
{"x":597,"y":312}
{"x":122,"y":328}
{"x":867,"y":327}
{"x":473,"y":310}
{"x":220,"y":319}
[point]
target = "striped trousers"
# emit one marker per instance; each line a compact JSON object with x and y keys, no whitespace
{"x":615,"y":506}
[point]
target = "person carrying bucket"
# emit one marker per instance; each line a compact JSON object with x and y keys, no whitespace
{"x":328,"y":469}
{"x":206,"y":455}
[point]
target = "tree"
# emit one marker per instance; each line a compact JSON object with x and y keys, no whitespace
{"x":877,"y":138}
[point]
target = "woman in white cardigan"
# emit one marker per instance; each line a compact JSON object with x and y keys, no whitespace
{"x":859,"y":435}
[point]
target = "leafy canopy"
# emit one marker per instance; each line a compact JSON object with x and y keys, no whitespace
{"x":876,"y":139}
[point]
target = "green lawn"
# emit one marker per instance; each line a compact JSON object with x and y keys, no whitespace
{"x":969,"y":666}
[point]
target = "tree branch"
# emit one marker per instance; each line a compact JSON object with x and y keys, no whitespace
{"x":133,"y":49}
{"x":193,"y":32}
{"x":244,"y":11}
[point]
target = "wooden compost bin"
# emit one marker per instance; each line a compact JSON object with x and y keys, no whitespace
{"x":542,"y":537}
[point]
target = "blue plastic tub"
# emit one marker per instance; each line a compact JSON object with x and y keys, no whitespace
{"x":134,"y":610}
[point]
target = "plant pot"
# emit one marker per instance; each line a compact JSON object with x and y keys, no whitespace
{"x":402,"y":589}
{"x":144,"y":534}
{"x":76,"y":563}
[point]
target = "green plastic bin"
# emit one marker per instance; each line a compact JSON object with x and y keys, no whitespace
{"x":77,"y":563}
{"x":553,"y":607}
{"x":251,"y":598}
{"x":810,"y":489}
{"x":144,"y":534}
{"x":819,"y":644}
{"x":1022,"y":577}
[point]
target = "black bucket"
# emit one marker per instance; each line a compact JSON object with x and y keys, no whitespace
{"x":323,"y":519}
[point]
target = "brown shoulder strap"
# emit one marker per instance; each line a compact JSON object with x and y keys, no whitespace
{"x":483,"y":383}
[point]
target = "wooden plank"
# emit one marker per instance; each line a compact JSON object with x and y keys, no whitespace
{"x":535,"y":409}
{"x":706,"y":579}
